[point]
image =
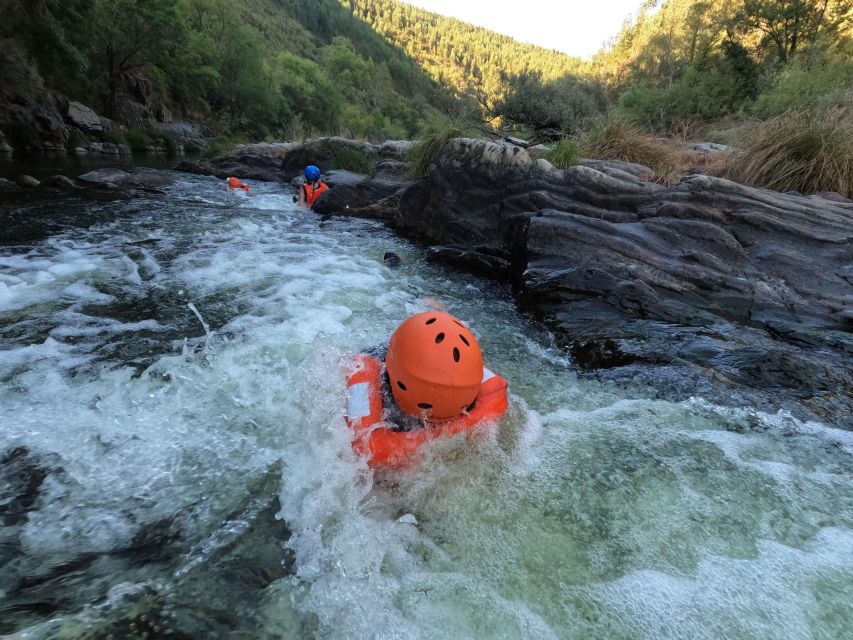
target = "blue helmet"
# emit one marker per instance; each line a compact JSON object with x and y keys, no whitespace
{"x":312,"y":173}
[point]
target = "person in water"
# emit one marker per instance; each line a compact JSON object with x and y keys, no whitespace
{"x":313,"y":186}
{"x":236,"y":183}
{"x":434,"y":370}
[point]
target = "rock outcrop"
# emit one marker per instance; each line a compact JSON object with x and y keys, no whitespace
{"x":737,"y":294}
{"x":328,"y":153}
{"x":84,"y":118}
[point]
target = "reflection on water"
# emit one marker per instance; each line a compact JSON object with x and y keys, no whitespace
{"x":173,"y":458}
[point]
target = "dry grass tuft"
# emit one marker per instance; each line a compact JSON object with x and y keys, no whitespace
{"x":805,"y":152}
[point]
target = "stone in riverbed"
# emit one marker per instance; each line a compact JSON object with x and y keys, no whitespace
{"x":27,"y":182}
{"x":7,"y":185}
{"x":59,"y":182}
{"x":103,"y":176}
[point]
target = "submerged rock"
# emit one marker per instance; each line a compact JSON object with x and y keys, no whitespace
{"x":27,"y":182}
{"x":59,"y":182}
{"x":391,"y":259}
{"x":104,"y":176}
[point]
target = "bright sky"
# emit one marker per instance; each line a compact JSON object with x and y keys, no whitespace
{"x":576,"y":27}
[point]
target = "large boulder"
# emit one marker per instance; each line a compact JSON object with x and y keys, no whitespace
{"x":736,"y":293}
{"x":84,"y":118}
{"x":330,"y":153}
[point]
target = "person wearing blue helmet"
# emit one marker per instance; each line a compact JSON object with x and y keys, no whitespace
{"x":313,"y":186}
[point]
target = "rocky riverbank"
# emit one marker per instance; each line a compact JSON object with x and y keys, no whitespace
{"x":56,"y":126}
{"x":707,"y":287}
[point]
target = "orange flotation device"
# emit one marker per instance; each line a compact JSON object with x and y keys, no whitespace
{"x":312,"y":192}
{"x":386,"y":447}
{"x":236,"y":183}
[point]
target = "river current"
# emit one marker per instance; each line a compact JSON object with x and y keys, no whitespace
{"x":174,"y":460}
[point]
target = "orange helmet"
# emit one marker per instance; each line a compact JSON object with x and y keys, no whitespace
{"x":435,"y":365}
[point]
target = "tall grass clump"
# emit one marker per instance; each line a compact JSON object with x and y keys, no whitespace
{"x":807,"y":152}
{"x":618,"y":139}
{"x":563,"y":154}
{"x":422,"y":154}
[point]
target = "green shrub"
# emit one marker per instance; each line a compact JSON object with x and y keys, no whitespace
{"x":169,"y":142}
{"x":351,"y":160}
{"x":563,"y":154}
{"x":115,"y":137}
{"x":138,"y":141}
{"x":76,"y":139}
{"x":422,"y":154}
{"x":21,"y":134}
{"x":800,"y":86}
{"x":807,"y":152}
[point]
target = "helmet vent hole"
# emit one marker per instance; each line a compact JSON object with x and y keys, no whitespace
{"x":439,"y":338}
{"x":424,"y":405}
{"x":430,"y":321}
{"x":401,"y":385}
{"x":455,"y":354}
{"x":461,"y":337}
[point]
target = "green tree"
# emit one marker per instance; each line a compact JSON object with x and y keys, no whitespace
{"x":131,"y":36}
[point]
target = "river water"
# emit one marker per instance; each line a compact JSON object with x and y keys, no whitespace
{"x":174,"y":460}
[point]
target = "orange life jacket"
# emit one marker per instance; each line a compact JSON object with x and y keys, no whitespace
{"x":312,"y":192}
{"x":386,"y":447}
{"x":235,"y":183}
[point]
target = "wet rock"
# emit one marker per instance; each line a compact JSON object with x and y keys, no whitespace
{"x":59,"y":182}
{"x":124,"y":149}
{"x":21,"y":476}
{"x":7,"y":185}
{"x":5,"y":149}
{"x":246,"y":165}
{"x":338,"y":177}
{"x":82,"y":117}
{"x":484,"y":261}
{"x":599,"y":354}
{"x":391,"y":259}
{"x":368,"y":198}
{"x":27,"y":182}
{"x":389,"y":169}
{"x":105,"y":176}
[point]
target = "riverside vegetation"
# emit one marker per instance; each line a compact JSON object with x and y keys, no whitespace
{"x":773,"y":78}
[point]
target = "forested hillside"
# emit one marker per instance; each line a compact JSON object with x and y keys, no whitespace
{"x":258,"y":67}
{"x":683,"y":60}
{"x":382,"y":68}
